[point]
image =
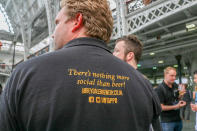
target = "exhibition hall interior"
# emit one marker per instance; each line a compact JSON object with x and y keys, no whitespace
{"x":167,"y":29}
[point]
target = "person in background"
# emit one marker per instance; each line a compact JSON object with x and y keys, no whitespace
{"x":194,"y":106}
{"x":169,"y":98}
{"x":81,"y":86}
{"x":185,"y":111}
{"x":1,"y":88}
{"x":129,"y":49}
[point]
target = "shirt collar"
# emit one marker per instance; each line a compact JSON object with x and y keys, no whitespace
{"x":166,"y":86}
{"x":87,"y":41}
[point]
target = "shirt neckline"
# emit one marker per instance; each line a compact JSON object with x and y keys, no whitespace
{"x":87,"y":41}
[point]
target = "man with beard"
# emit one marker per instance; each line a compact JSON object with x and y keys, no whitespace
{"x":129,"y":49}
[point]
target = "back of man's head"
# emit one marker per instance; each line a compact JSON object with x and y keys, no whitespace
{"x":132,"y":44}
{"x":97,"y":18}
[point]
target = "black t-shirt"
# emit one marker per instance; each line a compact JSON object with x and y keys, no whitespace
{"x":81,"y":87}
{"x":168,"y":96}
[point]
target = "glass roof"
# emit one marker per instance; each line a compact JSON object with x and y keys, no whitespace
{"x":4,"y":21}
{"x":6,"y":26}
{"x":112,"y":4}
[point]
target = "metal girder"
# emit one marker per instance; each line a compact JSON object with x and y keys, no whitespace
{"x":24,"y":34}
{"x":51,"y":11}
{"x":35,"y":17}
{"x":4,"y":74}
{"x":6,"y":36}
{"x":166,"y":36}
{"x":172,"y":47}
{"x":7,"y":4}
{"x":12,"y":18}
{"x":168,"y":58}
{"x":117,"y":27}
{"x":7,"y":20}
{"x":116,"y":31}
{"x":169,"y":25}
{"x":171,"y":41}
{"x":157,"y":13}
{"x":187,"y":13}
{"x":149,"y":63}
{"x":120,"y":7}
{"x":161,"y":25}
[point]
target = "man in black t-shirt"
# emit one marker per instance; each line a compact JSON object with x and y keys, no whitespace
{"x":169,"y":98}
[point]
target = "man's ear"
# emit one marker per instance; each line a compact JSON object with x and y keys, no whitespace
{"x":130,"y":56}
{"x":78,"y":22}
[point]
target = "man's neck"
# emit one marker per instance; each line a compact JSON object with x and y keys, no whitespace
{"x":133,"y":64}
{"x":168,"y":84}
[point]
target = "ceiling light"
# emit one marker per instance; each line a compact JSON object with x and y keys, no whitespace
{"x":139,"y":65}
{"x":161,"y":62}
{"x":175,"y":66}
{"x":189,"y":26}
{"x":185,"y":68}
{"x":154,"y":67}
{"x":152,"y":53}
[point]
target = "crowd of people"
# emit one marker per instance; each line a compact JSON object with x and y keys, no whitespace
{"x":82,"y":86}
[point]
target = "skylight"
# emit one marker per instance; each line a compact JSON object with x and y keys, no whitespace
{"x":4,"y":21}
{"x":112,"y":4}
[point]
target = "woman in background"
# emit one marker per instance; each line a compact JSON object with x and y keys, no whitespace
{"x":185,"y":111}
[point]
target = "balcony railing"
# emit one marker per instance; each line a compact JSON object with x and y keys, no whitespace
{"x":5,"y":69}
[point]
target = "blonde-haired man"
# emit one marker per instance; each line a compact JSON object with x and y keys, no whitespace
{"x":169,"y":97}
{"x":81,"y":86}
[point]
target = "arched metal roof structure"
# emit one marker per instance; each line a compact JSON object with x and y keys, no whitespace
{"x":5,"y":24}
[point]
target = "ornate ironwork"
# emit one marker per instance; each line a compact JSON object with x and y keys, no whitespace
{"x":136,"y":22}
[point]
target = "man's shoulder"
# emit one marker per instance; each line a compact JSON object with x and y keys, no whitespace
{"x":175,"y":85}
{"x":34,"y":63}
{"x":28,"y":61}
{"x":160,"y":85}
{"x":160,"y":88}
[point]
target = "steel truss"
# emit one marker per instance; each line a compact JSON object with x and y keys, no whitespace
{"x":148,"y":15}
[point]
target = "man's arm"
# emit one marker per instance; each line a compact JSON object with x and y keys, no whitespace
{"x":193,"y":107}
{"x":173,"y":107}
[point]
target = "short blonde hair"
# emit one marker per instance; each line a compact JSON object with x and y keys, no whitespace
{"x":97,"y":17}
{"x":167,"y":69}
